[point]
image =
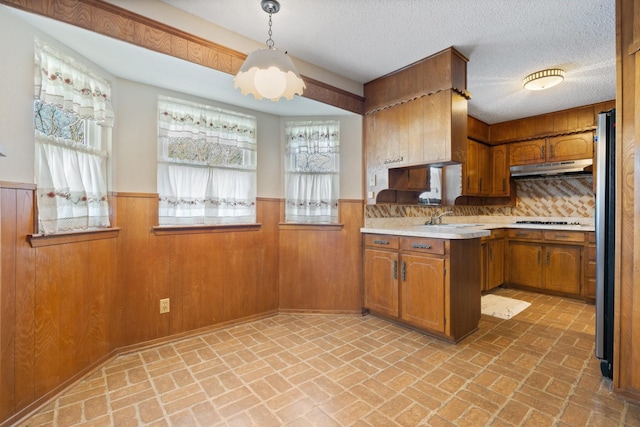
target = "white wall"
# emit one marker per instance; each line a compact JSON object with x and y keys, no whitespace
{"x":16,"y":100}
{"x":134,"y":135}
{"x":136,"y":150}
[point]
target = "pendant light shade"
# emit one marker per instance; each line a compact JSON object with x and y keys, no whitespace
{"x":269,"y":73}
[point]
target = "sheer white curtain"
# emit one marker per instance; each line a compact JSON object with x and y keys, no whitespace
{"x":312,"y":171}
{"x":206,"y":164}
{"x":71,"y":174}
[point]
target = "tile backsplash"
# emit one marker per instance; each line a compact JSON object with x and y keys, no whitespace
{"x":558,"y":197}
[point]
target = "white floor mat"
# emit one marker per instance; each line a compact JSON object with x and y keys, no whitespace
{"x":502,"y":307}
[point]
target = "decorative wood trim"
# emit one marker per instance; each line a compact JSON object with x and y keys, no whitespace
{"x":122,"y":24}
{"x":170,"y":230}
{"x":40,"y":240}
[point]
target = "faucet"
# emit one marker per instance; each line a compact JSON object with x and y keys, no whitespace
{"x":437,"y":219}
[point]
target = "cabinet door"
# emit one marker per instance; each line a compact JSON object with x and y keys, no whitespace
{"x":484,"y":175}
{"x":570,"y":147}
{"x":477,"y":169}
{"x":499,"y":171}
{"x":563,"y":268}
{"x":495,"y":264}
{"x":472,"y":168}
{"x":381,"y":281}
{"x":525,"y":264}
{"x":423,"y":291}
{"x":527,"y":152}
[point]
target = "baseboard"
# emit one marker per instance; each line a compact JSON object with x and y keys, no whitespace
{"x":62,"y":388}
{"x":311,"y":312}
{"x":52,"y":395}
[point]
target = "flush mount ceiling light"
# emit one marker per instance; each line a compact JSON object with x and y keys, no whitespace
{"x":543,"y":79}
{"x":269,"y":73}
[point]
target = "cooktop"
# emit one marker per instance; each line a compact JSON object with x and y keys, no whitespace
{"x":548,"y":222}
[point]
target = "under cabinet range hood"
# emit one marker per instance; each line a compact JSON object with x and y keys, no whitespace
{"x":557,"y":168}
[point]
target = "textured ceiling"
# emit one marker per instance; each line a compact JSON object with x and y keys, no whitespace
{"x":504,"y":40}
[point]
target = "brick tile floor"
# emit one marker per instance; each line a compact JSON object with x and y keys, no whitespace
{"x":536,"y":369}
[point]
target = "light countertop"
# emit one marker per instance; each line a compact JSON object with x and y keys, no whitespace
{"x":465,"y":227}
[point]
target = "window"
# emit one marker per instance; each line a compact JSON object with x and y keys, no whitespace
{"x":206,"y":164}
{"x":312,"y":171}
{"x":72,"y":123}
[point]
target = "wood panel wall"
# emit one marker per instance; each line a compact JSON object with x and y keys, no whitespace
{"x":321,"y":270}
{"x":211,"y":277}
{"x":116,"y":22}
{"x":67,"y":307}
{"x":626,"y":368}
{"x":54,"y":304}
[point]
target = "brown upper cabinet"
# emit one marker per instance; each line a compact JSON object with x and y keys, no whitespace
{"x":500,"y":171}
{"x":476,"y":170}
{"x":552,"y":149}
{"x":415,"y":116}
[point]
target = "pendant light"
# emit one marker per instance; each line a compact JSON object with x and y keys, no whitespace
{"x":268,"y":72}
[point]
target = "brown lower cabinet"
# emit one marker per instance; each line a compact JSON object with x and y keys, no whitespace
{"x":548,"y":261}
{"x":493,"y":257}
{"x":428,"y":284}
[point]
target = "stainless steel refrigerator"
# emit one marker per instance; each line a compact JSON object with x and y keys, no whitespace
{"x":605,"y":238}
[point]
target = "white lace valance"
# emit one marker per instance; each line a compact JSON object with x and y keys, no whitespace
{"x":63,"y":81}
{"x":201,"y":135}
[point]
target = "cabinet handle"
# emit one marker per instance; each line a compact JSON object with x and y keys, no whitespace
{"x":548,"y":258}
{"x":490,"y":253}
{"x":504,"y":184}
{"x":468,"y":184}
{"x":381,"y":242}
{"x":538,"y":256}
{"x":480,"y":184}
{"x":404,"y":271}
{"x":395,"y":269}
{"x":420,"y":246}
{"x":562,"y":236}
{"x":542,"y":152}
{"x":551,"y":151}
{"x":522,"y":234}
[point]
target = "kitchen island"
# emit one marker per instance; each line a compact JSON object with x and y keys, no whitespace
{"x":431,"y":277}
{"x":425,"y":277}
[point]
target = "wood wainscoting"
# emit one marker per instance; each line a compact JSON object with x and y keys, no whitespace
{"x":67,"y":307}
{"x":321,"y":266}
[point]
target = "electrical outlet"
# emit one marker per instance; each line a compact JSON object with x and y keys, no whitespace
{"x":164,"y":305}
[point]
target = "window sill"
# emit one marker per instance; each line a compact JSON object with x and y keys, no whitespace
{"x":40,"y":240}
{"x":309,"y":226}
{"x":168,"y":230}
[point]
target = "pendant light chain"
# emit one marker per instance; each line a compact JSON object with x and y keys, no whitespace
{"x":270,"y":42}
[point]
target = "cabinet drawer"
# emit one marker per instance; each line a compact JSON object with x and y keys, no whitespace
{"x":525,"y":234}
{"x":495,"y":234}
{"x":381,"y":241}
{"x":498,"y":233}
{"x":564,"y":236}
{"x":421,"y":244}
